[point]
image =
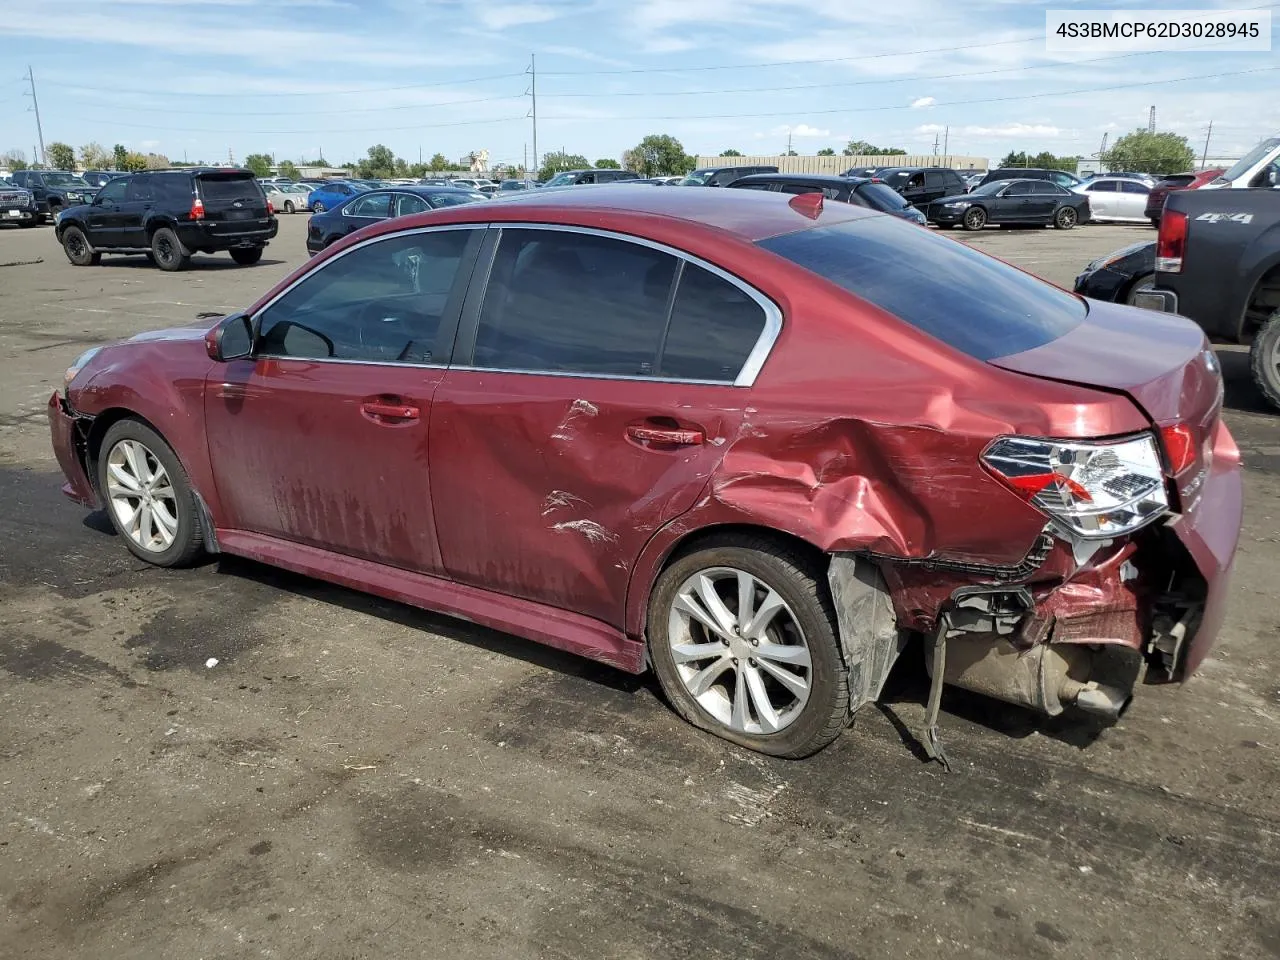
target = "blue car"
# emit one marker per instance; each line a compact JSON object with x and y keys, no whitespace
{"x":331,"y":194}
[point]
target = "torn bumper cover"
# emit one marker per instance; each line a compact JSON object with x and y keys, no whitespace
{"x":64,"y":427}
{"x":1069,"y":626}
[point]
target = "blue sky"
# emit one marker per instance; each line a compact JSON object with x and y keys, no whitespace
{"x":195,"y":78}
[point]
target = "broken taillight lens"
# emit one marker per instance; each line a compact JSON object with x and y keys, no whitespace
{"x":1171,"y":241}
{"x":1179,"y":447}
{"x":1094,"y":489}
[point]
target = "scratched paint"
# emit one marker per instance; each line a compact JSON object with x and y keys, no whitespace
{"x":589,"y":529}
{"x":567,"y":428}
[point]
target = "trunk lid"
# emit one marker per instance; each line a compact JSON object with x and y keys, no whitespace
{"x":1160,"y":361}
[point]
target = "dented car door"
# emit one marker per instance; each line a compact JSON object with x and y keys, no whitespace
{"x":596,"y":384}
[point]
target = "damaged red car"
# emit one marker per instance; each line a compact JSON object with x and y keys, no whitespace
{"x":751,"y":443}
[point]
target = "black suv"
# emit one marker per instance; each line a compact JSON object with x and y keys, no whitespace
{"x":54,"y":190}
{"x":574,"y":178}
{"x":922,"y":185}
{"x":1060,"y":177}
{"x":171,"y":214}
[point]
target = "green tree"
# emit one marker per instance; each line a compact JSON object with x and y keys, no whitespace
{"x":94,"y":156}
{"x":157,"y":161}
{"x":380,"y":164}
{"x":1150,"y":152}
{"x":133,"y":162}
{"x":557,"y":161}
{"x":288,"y":169}
{"x":660,"y":154}
{"x":119,"y":157}
{"x":730,"y":153}
{"x":1044,"y":160}
{"x":61,"y":156}
{"x":861,"y":148}
{"x":259,"y":163}
{"x":438,"y":163}
{"x":826,"y":152}
{"x":608,"y":163}
{"x":14,"y":159}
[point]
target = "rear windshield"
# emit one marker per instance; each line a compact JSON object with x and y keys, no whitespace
{"x":229,"y":188}
{"x":882,"y":197}
{"x":969,"y":301}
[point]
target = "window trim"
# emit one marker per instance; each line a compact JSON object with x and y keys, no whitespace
{"x":449,"y":324}
{"x":469,"y":323}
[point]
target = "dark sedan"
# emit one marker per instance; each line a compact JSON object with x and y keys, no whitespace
{"x":860,"y":191}
{"x":1012,"y":202}
{"x":1119,"y":277}
{"x":366,"y":208}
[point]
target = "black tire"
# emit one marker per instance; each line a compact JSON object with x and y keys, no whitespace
{"x":802,"y":586}
{"x":1155,"y":222}
{"x":289,"y":207}
{"x":1065,"y":218}
{"x":1264,"y":360}
{"x":1140,"y":283}
{"x":317,"y":207}
{"x":78,"y":249}
{"x":188,"y":541}
{"x":167,"y":251}
{"x":247,"y":257}
{"x":975,"y":218}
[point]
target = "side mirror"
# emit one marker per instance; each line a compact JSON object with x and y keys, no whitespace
{"x":232,"y":339}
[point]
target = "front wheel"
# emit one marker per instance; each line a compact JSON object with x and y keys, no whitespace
{"x":76,"y":246}
{"x":975,"y":218}
{"x":148,"y":496}
{"x":167,"y":250}
{"x":1065,"y":218}
{"x":247,"y":257}
{"x":744,"y":643}
{"x":1264,"y":359}
{"x":317,"y":207}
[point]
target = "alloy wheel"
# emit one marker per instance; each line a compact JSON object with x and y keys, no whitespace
{"x":1067,"y":217}
{"x":142,"y":496}
{"x":76,"y":245}
{"x":739,"y":650}
{"x":975,"y":219}
{"x":317,"y":207}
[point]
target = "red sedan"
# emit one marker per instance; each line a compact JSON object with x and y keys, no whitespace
{"x":1177,"y":181}
{"x":750,"y":441}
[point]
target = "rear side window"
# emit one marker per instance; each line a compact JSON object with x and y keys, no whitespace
{"x":172,"y":188}
{"x":714,"y":327}
{"x":1047,"y":188}
{"x":969,"y":301}
{"x":140,"y":189}
{"x":1104,"y":186}
{"x":229,"y":188}
{"x":1133,"y":186}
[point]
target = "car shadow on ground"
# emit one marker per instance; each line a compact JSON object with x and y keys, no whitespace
{"x":198,"y":262}
{"x":1239,"y":390}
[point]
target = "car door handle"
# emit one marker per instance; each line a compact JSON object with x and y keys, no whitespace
{"x":676,"y":436}
{"x":389,"y":409}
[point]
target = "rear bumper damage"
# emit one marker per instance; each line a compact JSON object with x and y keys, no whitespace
{"x":1073,"y":625}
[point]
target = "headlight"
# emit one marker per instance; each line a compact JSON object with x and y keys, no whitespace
{"x":75,"y":368}
{"x":1093,"y":489}
{"x":959,"y":204}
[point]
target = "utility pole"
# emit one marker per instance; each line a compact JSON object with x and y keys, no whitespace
{"x":533,"y":93}
{"x":35,"y":105}
{"x":788,"y":141}
{"x":1151,"y":120}
{"x":524,"y":161}
{"x":946,"y":141}
{"x":935,"y":143}
{"x":1204,"y":159}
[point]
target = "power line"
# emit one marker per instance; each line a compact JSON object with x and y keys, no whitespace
{"x":310,"y":93}
{"x":327,"y":112}
{"x":947,"y":103}
{"x":286,"y":133}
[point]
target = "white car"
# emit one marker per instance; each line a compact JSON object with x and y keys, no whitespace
{"x":285,"y":198}
{"x":1117,"y":199}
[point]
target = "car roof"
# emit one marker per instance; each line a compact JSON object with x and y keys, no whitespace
{"x":825,"y":179}
{"x":748,"y":214}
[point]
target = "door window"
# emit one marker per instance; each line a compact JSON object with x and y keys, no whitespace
{"x":800,"y":188}
{"x":139,"y":189}
{"x":755,"y":186}
{"x":1044,"y":187}
{"x":407,"y":203}
{"x":1023,"y":188}
{"x":112,"y":191}
{"x":934,"y":180}
{"x":714,"y":327}
{"x":563,"y":302}
{"x":1103,"y":186}
{"x":370,"y":205}
{"x":383,"y":302}
{"x":1133,"y":186}
{"x":586,"y":178}
{"x":172,"y":188}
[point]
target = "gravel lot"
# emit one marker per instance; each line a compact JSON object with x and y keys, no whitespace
{"x":360,"y":779}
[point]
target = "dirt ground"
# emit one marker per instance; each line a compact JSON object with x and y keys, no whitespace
{"x":355,"y":778}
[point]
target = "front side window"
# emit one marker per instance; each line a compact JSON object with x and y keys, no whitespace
{"x":377,"y":205}
{"x":382,"y":302}
{"x":966,"y":299}
{"x":561,"y":180}
{"x":112,"y":191}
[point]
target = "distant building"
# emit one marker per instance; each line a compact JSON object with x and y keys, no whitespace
{"x":839,"y":164}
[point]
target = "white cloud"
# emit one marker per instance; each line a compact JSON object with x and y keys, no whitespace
{"x":922,"y":102}
{"x":497,"y":17}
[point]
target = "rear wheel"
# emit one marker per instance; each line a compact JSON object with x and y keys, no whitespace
{"x":76,"y":246}
{"x":167,"y":250}
{"x":247,"y":258}
{"x":1141,"y":285}
{"x":148,"y":496}
{"x":743,"y":640}
{"x":317,"y":207}
{"x":289,"y":207}
{"x":975,"y":218}
{"x":1264,"y":359}
{"x":1065,"y":218}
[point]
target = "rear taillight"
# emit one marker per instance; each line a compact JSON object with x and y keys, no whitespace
{"x":1172,"y":240}
{"x":271,"y":211}
{"x":197,"y":209}
{"x":1094,"y":489}
{"x":1179,"y":447}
